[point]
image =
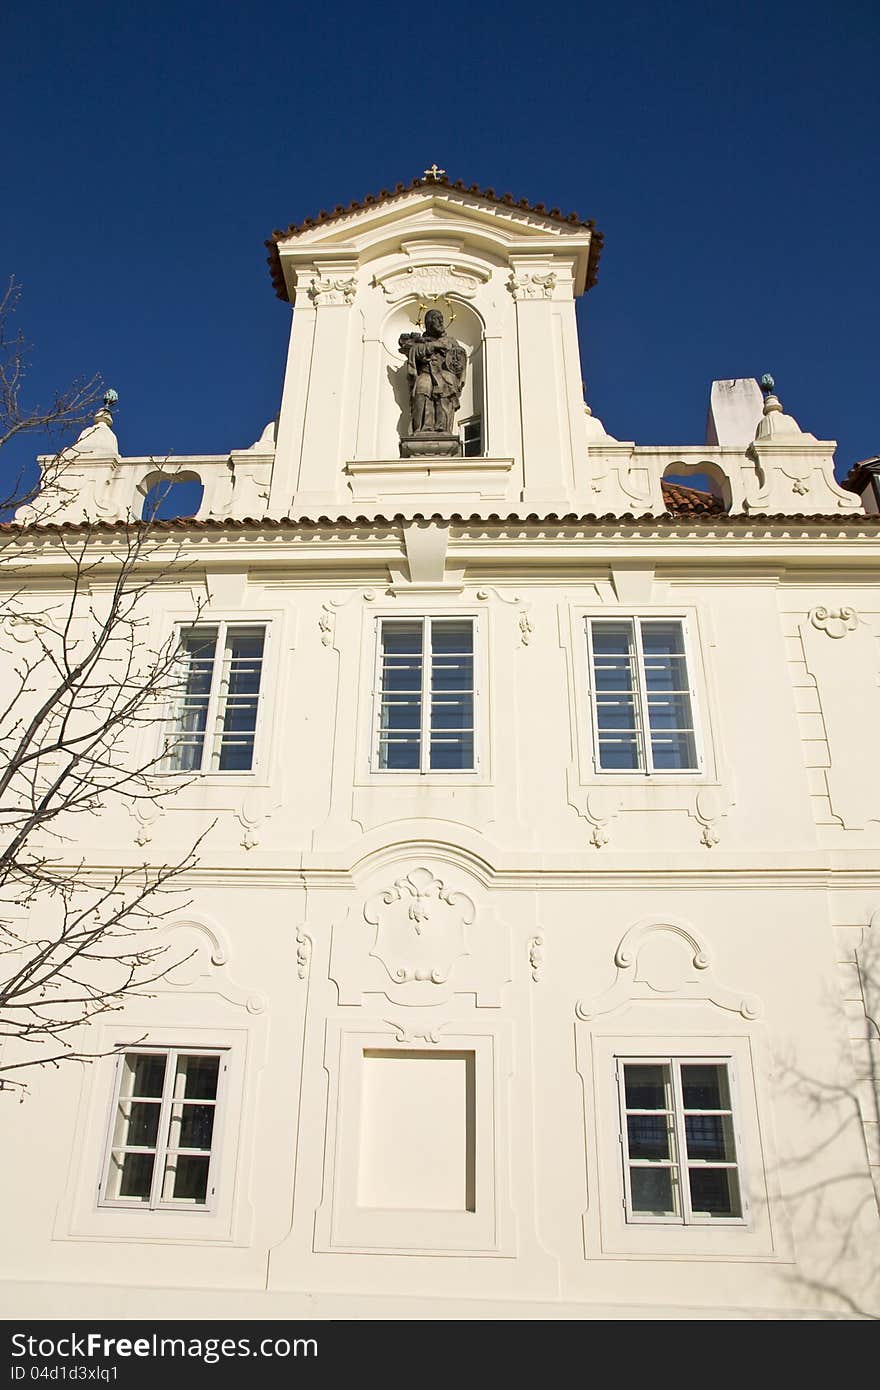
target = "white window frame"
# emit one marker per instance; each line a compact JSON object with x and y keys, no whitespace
{"x":424,"y":769}
{"x":161,"y":1149}
{"x":680,"y":1160}
{"x":212,"y":744}
{"x":643,"y":731}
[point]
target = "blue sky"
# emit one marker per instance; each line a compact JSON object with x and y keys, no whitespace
{"x":728,"y":152}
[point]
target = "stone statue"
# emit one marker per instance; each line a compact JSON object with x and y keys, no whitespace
{"x":435,"y":366}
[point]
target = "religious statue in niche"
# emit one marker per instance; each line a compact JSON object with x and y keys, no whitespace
{"x":435,"y":368}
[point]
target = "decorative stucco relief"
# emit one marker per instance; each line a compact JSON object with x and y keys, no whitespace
{"x":711,"y":804}
{"x":303,"y":951}
{"x":845,"y":671}
{"x":532,"y":284}
{"x":329,"y":610}
{"x":601,"y":808}
{"x":413,"y":942}
{"x":413,"y":1031}
{"x":420,"y":927}
{"x":146,"y":815}
{"x":429,"y":282}
{"x":196,"y":959}
{"x":834,"y":622}
{"x":255,"y":809}
{"x":332,"y":290}
{"x":536,"y":957}
{"x":664,"y":959}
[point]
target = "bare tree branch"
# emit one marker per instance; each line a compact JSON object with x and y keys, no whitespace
{"x":86,"y":700}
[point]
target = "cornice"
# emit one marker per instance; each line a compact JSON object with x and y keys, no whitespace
{"x":434,"y":186}
{"x":531,"y":548}
{"x":529,"y":878}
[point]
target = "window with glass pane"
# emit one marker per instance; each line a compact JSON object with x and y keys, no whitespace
{"x":471,"y":435}
{"x":213,"y":723}
{"x":425,"y":696}
{"x":680,"y":1160}
{"x":163,"y":1129}
{"x":643,"y":707}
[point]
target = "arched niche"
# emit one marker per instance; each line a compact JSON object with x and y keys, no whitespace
{"x":702,"y":475}
{"x":167,"y":496}
{"x":468,"y":329}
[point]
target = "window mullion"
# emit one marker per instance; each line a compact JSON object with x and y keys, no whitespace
{"x":684,"y":1183}
{"x":597,"y":756}
{"x":163,"y":1130}
{"x":220,"y":677}
{"x":641,"y":683}
{"x":624,"y":1138}
{"x":207,"y":760}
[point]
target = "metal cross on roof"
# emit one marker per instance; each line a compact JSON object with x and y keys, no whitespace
{"x":433,"y":172}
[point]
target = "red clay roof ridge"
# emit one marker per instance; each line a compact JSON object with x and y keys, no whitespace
{"x":386,"y":195}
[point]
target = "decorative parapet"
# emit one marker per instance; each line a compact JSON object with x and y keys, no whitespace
{"x":783,"y":472}
{"x":767,"y":477}
{"x":92,"y":482}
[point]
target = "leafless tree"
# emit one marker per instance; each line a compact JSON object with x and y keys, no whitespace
{"x":54,"y":421}
{"x":81,"y":685}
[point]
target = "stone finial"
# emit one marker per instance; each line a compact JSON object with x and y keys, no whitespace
{"x":434,"y":174}
{"x":595,"y":430}
{"x":774,"y":422}
{"x":768,"y":390}
{"x":266,"y":442}
{"x":98,"y":438}
{"x":104,"y":416}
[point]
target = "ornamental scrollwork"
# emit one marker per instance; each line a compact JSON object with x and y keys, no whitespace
{"x":332,"y":290}
{"x":834,"y":622}
{"x":420,"y":927}
{"x":532,"y":284}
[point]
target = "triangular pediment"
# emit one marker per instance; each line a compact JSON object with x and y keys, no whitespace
{"x":432,"y":208}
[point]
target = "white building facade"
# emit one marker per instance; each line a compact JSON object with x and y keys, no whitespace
{"x":527,"y":963}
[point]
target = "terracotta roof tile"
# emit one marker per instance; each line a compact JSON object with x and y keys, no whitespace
{"x":290,"y":523}
{"x":458,"y":186}
{"x":690,"y":501}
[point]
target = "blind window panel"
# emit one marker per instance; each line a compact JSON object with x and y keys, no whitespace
{"x":426,"y":695}
{"x":213,"y":725}
{"x":642,"y":698}
{"x":680,"y":1158}
{"x":163,"y":1130}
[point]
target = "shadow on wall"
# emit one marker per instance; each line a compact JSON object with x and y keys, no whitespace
{"x":831,"y":1196}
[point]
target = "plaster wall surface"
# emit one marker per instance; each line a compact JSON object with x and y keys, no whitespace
{"x":423,"y":985}
{"x":551,"y":867}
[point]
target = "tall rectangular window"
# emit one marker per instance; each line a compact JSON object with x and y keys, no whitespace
{"x":680,"y":1159}
{"x":163,"y":1130}
{"x":213,"y":722}
{"x":643,"y":701}
{"x":425,"y":695}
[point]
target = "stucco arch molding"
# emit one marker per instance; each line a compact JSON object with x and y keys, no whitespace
{"x":661,"y":959}
{"x":196,"y":958}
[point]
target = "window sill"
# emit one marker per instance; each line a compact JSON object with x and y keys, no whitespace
{"x":376,"y":778}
